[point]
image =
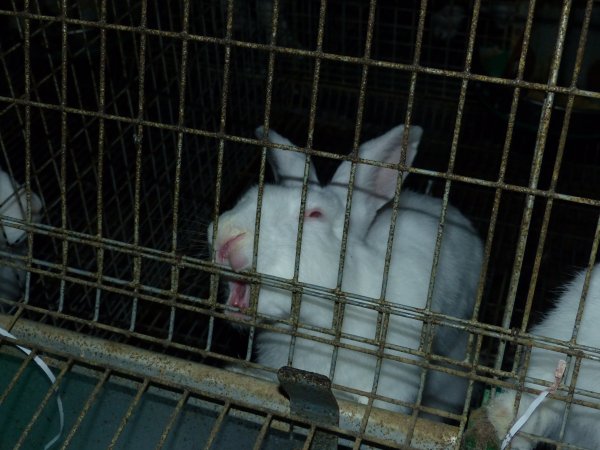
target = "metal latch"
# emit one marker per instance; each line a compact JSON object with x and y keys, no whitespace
{"x":311,"y":398}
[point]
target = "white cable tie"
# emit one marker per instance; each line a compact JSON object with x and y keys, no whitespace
{"x":52,"y":378}
{"x":558,"y":374}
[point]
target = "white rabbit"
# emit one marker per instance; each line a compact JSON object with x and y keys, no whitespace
{"x":411,"y":264}
{"x":13,"y":204}
{"x":582,"y":423}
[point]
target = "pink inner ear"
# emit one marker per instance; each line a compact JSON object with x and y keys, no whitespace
{"x":313,"y":213}
{"x":385,"y":182}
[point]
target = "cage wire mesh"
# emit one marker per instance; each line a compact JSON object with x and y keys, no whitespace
{"x":133,"y":121}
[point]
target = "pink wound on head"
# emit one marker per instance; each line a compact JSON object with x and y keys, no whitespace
{"x":226,"y":252}
{"x":239,"y":295}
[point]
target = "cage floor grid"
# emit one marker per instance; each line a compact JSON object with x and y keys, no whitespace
{"x":191,"y":430}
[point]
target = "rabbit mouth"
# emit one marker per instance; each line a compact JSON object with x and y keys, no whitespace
{"x":239,"y":297}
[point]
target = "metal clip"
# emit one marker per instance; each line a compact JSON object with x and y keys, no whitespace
{"x":311,"y":398}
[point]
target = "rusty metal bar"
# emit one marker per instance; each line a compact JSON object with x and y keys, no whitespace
{"x":310,"y":437}
{"x":51,"y":391}
{"x":214,"y":280}
{"x":534,"y":177}
{"x":254,"y":290}
{"x":263,"y":432}
{"x":141,"y":391}
{"x":27,"y":64}
{"x":402,"y":162}
{"x":261,"y":397}
{"x":85,"y":409}
{"x":138,"y":138}
{"x":177,"y":184}
{"x":18,"y":373}
{"x":340,"y":307}
{"x":313,"y":54}
{"x":100,"y":170}
{"x":504,"y":161}
{"x":472,"y":326}
{"x":217,"y":425}
{"x":174,"y":415}
{"x":160,"y":297}
{"x":63,"y":151}
{"x":296,"y":297}
{"x":431,"y":173}
{"x":557,"y":164}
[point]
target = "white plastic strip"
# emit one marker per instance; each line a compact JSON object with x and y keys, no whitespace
{"x":558,"y":374}
{"x":52,"y":378}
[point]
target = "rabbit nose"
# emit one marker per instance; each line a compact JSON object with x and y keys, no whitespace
{"x":226,"y":252}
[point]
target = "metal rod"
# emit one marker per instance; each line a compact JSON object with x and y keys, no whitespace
{"x":172,"y":419}
{"x":258,"y":395}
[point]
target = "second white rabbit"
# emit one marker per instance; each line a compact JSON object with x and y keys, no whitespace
{"x":582,"y":423}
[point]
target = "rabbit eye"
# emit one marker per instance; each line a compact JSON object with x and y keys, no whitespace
{"x":314,"y":213}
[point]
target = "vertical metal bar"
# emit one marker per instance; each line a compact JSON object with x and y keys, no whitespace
{"x":357,"y":443}
{"x":177,"y":187}
{"x":128,"y":414}
{"x":310,"y":437}
{"x":407,"y":121}
{"x":263,"y":432}
{"x":85,"y":409}
{"x":18,"y":373}
{"x":309,"y":144}
{"x":557,"y":163}
{"x":534,"y":177}
{"x":398,"y":190}
{"x":339,"y":313}
{"x":217,"y":426}
{"x":569,"y":401}
{"x":63,"y":151}
{"x":582,"y":300}
{"x":365,"y":419}
{"x":356,"y":141}
{"x":27,"y":75}
{"x":101,"y":145}
{"x":504,"y":161}
{"x":174,"y":415}
{"x":51,"y":391}
{"x":426,"y":335}
{"x":261,"y":176}
{"x":139,"y":134}
{"x":214,"y":278}
{"x":548,"y":209}
{"x":499,"y":191}
{"x":309,"y":141}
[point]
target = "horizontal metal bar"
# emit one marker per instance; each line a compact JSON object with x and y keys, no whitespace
{"x":242,"y":140}
{"x":384,"y":426}
{"x":463,"y":75}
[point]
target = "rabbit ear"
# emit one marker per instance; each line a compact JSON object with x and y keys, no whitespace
{"x":287,"y":165}
{"x":378,"y":181}
{"x":375,"y":186}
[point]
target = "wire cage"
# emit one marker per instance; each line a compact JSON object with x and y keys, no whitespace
{"x":131,"y":122}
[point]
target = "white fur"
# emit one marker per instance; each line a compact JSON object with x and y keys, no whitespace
{"x":582,"y":424}
{"x":13,"y":204}
{"x":408,"y":283}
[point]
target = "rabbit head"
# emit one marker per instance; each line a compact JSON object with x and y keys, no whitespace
{"x":277,"y":241}
{"x":13,"y":203}
{"x":322,"y":221}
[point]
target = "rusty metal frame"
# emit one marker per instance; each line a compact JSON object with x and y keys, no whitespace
{"x":136,"y":290}
{"x":218,"y":387}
